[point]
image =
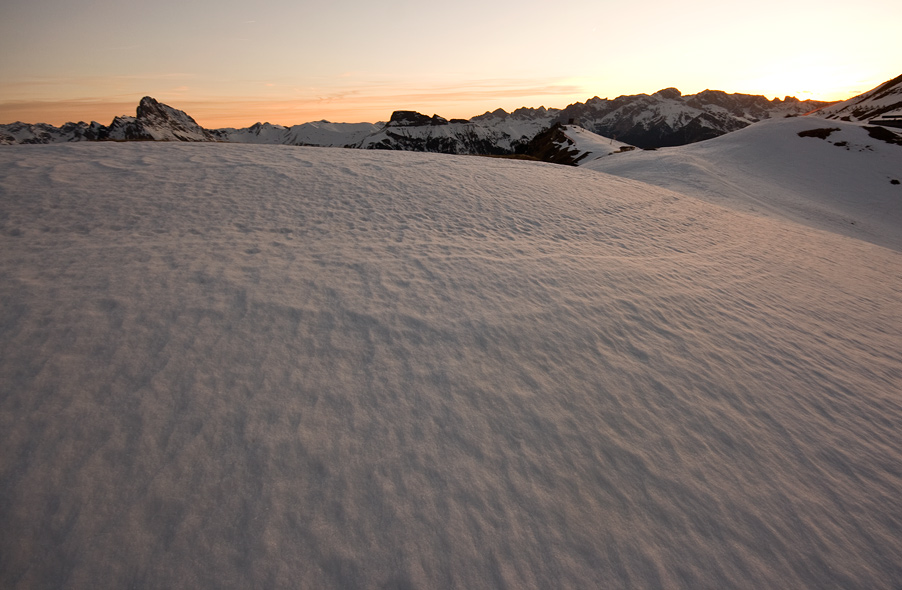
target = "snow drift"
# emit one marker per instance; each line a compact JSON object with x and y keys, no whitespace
{"x":833,"y":175}
{"x":263,"y":366}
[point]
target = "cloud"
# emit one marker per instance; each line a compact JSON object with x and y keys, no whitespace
{"x":364,"y":101}
{"x":57,"y":112}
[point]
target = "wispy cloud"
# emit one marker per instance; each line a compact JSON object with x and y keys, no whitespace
{"x":370,"y":101}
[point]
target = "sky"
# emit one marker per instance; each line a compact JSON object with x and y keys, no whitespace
{"x":234,"y":63}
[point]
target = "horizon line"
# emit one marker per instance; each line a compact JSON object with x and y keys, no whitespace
{"x":215,"y":109}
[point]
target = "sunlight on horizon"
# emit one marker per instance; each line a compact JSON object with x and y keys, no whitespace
{"x":220,"y":111}
{"x":234,"y":65}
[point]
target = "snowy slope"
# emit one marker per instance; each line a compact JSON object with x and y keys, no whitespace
{"x":243,"y":366}
{"x":841,"y":183}
{"x":592,"y":146}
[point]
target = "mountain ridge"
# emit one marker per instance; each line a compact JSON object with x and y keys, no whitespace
{"x":662,"y":119}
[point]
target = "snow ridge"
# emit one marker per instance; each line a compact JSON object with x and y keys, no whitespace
{"x":842,"y":179}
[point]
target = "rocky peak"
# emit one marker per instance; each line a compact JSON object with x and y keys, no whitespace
{"x":414,"y":119}
{"x":671,"y":93}
{"x":163,"y":122}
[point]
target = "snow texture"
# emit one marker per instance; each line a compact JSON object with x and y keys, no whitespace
{"x":241,"y":366}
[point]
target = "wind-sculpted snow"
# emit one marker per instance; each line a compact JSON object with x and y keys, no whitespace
{"x":262,"y":366}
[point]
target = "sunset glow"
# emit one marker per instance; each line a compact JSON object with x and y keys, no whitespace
{"x":230,"y":64}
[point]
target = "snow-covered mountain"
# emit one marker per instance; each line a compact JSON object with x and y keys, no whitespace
{"x":667,"y":118}
{"x":415,"y":132}
{"x":316,"y":133}
{"x":36,"y":133}
{"x":664,"y":118}
{"x":243,"y":366}
{"x":882,"y":105}
{"x":158,"y":122}
{"x":661,"y":119}
{"x":154,"y":121}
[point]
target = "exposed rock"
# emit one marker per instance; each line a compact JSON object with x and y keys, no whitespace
{"x":671,"y":93}
{"x":553,"y":146}
{"x":413,"y":118}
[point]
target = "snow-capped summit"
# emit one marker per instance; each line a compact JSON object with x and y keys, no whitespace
{"x":158,"y":122}
{"x":670,"y":118}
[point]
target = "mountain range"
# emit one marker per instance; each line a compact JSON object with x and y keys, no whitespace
{"x":647,"y":121}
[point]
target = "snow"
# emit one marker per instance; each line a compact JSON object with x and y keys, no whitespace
{"x":841,"y":184}
{"x":246,"y":366}
{"x":592,"y":146}
{"x":321,"y":133}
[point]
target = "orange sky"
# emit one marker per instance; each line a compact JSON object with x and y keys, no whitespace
{"x":233,"y":64}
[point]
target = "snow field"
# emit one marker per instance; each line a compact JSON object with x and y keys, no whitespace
{"x":266,"y":366}
{"x":842,"y":184}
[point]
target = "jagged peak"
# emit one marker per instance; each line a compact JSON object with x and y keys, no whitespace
{"x":414,"y":119}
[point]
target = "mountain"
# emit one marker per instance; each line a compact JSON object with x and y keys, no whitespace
{"x":668,"y":118}
{"x":882,"y":105}
{"x":158,"y":122}
{"x":154,"y":121}
{"x":415,"y":132}
{"x":317,"y":133}
{"x":37,"y":133}
{"x":665,"y":118}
